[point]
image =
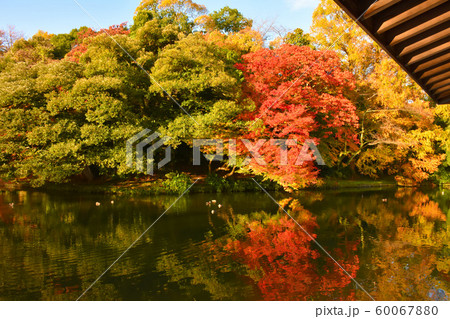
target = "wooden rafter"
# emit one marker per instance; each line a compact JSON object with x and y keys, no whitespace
{"x":379,"y":6}
{"x":409,"y":14}
{"x":425,"y":42}
{"x":438,"y":85}
{"x":433,"y":63}
{"x":415,"y":33}
{"x":436,"y":71}
{"x":421,"y":28}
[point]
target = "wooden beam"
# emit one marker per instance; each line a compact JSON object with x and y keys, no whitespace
{"x":421,"y":28}
{"x":440,"y":69}
{"x":438,"y":78}
{"x":379,"y":6}
{"x":397,"y":26}
{"x":443,"y":95}
{"x":443,"y":89}
{"x":425,"y":42}
{"x":429,"y":53}
{"x":409,"y":14}
{"x":432,"y":63}
{"x":439,"y":85}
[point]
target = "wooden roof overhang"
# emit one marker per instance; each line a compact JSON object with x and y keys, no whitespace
{"x":415,"y":33}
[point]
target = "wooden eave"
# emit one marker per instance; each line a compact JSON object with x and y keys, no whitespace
{"x":415,"y":33}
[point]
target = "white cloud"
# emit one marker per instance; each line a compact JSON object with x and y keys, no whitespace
{"x":300,"y":4}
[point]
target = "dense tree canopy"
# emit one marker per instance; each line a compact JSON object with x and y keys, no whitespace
{"x":298,"y":97}
{"x":399,"y":131}
{"x":227,"y":20}
{"x":68,"y":102}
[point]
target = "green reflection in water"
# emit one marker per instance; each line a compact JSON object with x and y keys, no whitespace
{"x":53,"y":246}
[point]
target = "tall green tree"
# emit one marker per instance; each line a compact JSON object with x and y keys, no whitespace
{"x":178,"y":12}
{"x":59,"y":118}
{"x":297,"y":37}
{"x":202,"y":78}
{"x":226,"y":20}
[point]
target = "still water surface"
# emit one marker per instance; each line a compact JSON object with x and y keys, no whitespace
{"x":394,"y":241}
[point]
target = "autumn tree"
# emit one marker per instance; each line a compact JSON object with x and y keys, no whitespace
{"x":242,"y":42}
{"x":85,"y":36}
{"x":226,"y":20}
{"x":398,"y":131}
{"x":333,"y":29}
{"x":202,"y":77}
{"x":299,"y":94}
{"x":442,"y":113}
{"x":178,"y":12}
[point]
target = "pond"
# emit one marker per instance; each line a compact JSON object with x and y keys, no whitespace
{"x":227,"y":246}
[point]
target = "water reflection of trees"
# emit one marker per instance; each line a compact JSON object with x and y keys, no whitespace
{"x":409,"y":264}
{"x":284,"y":262}
{"x":275,"y":256}
{"x":403,"y":249}
{"x":396,"y":244}
{"x":404,"y":253}
{"x":52,"y":248}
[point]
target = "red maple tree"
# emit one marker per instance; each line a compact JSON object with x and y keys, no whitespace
{"x":299,"y":93}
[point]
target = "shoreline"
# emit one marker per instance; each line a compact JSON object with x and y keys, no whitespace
{"x":241,"y":185}
{"x":214,"y":184}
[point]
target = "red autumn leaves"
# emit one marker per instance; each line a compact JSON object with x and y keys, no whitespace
{"x":299,"y":93}
{"x":284,"y":261}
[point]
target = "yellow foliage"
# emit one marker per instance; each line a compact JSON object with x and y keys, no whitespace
{"x":44,"y":35}
{"x":187,"y":7}
{"x":401,"y":137}
{"x":244,"y":41}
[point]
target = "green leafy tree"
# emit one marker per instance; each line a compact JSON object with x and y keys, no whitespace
{"x":297,"y":37}
{"x":202,"y":78}
{"x":178,"y":12}
{"x":60,"y":118}
{"x":227,"y":20}
{"x":62,"y":44}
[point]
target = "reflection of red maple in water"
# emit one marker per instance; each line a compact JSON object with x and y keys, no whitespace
{"x":289,"y":267}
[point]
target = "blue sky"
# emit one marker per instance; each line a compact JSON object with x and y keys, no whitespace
{"x":61,"y":16}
